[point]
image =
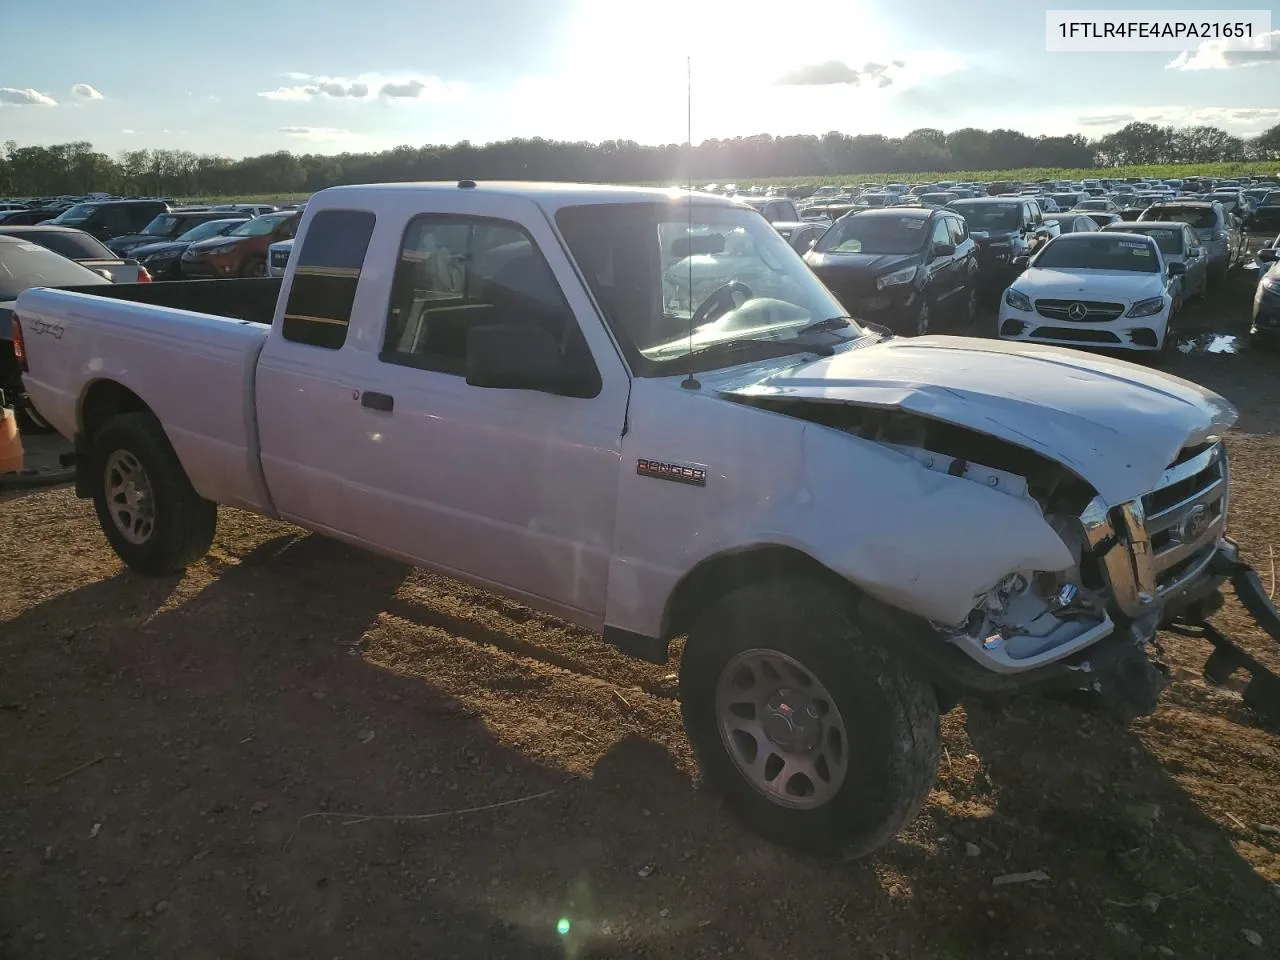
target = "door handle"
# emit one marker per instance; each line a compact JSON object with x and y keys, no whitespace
{"x":377,"y":401}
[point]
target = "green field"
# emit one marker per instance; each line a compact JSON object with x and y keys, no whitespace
{"x":1028,"y":174}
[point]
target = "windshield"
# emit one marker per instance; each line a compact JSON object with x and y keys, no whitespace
{"x":164,"y":225}
{"x":76,"y":246}
{"x":874,"y":234}
{"x":1092,"y":205}
{"x":24,"y":265}
{"x":653,"y":267}
{"x":1097,"y":251}
{"x":990,"y":216}
{"x":258,"y":226}
{"x":1201,"y":218}
{"x":1272,"y":199}
{"x":81,"y":211}
{"x":210,"y":228}
{"x":1167,"y":239}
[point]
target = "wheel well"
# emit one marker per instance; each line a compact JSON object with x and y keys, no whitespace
{"x":717,"y":575}
{"x":104,"y":400}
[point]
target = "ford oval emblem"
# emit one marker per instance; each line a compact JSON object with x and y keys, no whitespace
{"x":1194,"y":524}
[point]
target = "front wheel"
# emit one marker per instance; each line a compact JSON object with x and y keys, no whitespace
{"x":151,"y":515}
{"x":257,"y":267}
{"x":817,"y":738}
{"x":923,"y":319}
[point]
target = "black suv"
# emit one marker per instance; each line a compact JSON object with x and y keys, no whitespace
{"x":1004,"y":228}
{"x":108,"y":219}
{"x":907,"y":268}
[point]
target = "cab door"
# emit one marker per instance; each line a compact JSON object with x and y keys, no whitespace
{"x":513,"y":489}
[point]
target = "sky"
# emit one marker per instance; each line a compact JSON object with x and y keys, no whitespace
{"x":240,"y":77}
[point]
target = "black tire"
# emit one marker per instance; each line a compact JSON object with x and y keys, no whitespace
{"x":892,"y":754}
{"x":922,"y":321}
{"x":183,"y":523}
{"x":254,"y":267}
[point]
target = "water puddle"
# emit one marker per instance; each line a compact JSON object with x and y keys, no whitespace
{"x":1200,"y":343}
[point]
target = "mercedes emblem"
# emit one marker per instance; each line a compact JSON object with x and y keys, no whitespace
{"x":1077,"y":312}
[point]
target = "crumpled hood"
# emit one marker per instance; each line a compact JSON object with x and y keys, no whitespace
{"x":1115,"y":424}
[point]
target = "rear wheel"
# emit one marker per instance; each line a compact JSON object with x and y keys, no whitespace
{"x":151,"y":515}
{"x":817,"y":738}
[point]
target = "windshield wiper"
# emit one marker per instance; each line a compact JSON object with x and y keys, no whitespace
{"x":822,"y":326}
{"x":774,"y":348}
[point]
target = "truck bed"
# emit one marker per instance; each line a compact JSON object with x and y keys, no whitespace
{"x":187,"y":349}
{"x":252,"y":298}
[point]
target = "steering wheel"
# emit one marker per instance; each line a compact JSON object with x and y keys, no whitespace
{"x":721,"y":297}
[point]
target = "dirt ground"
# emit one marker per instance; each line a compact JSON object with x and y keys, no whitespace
{"x":209,"y":767}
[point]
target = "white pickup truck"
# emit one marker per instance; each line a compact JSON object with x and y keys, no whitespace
{"x":501,"y":382}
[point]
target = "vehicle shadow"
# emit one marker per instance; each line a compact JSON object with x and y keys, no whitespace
{"x":224,"y":773}
{"x":1130,"y":863}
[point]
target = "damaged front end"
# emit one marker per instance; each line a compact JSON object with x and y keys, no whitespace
{"x":1155,"y":561}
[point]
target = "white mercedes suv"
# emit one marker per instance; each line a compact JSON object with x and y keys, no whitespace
{"x":1112,"y":290}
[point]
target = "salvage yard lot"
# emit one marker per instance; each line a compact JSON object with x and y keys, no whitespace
{"x":207,"y":766}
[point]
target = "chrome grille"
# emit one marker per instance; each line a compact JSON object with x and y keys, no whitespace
{"x":1186,"y":514}
{"x":1169,"y":535}
{"x":1095,"y":311}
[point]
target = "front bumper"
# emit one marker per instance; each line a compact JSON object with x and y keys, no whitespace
{"x":1123,"y":333}
{"x":1266,"y":313}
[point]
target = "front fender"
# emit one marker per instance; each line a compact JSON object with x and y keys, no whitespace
{"x":922,"y":541}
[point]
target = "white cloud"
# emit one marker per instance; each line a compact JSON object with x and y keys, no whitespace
{"x":1214,"y":55}
{"x":321,"y":134}
{"x":366,"y":87}
{"x":1240,"y":121}
{"x":25,"y":97}
{"x":82,"y":91}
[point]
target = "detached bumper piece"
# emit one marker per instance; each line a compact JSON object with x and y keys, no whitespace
{"x":1262,"y":694}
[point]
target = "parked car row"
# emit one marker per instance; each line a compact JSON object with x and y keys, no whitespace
{"x":1108,"y":281}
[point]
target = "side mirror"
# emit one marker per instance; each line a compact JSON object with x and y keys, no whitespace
{"x":1177,"y":269}
{"x":1267,"y":255}
{"x":944,"y":249}
{"x":522,"y":357}
{"x":1021,"y":263}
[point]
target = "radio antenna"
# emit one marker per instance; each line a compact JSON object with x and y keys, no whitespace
{"x":690,"y":382}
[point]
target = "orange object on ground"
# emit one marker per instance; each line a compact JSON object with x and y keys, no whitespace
{"x":11,"y":453}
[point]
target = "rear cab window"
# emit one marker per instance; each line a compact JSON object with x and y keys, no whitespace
{"x":318,"y":312}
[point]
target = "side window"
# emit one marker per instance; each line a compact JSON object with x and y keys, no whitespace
{"x":289,"y":228}
{"x":324,"y":283}
{"x":788,"y":211}
{"x":458,"y":272}
{"x":959,"y":232}
{"x":941,"y":232}
{"x":115,"y":218}
{"x":140,"y":216}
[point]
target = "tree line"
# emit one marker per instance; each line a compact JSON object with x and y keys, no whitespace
{"x":76,"y":168}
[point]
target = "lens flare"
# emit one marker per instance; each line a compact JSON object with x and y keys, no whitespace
{"x":562,"y":926}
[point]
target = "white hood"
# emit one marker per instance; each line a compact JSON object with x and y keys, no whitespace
{"x":1115,"y":424}
{"x":1123,"y":286}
